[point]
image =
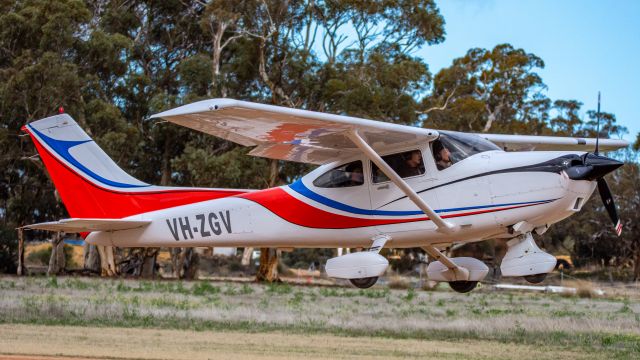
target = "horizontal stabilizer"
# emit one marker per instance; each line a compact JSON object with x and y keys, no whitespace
{"x":88,"y":225}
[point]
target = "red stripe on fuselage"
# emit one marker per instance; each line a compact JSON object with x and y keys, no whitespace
{"x":84,"y":199}
{"x":300,"y":213}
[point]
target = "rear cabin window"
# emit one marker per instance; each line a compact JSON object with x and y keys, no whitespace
{"x":346,"y":175}
{"x":406,"y":164}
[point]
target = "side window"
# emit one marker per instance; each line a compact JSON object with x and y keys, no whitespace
{"x":441,"y":154}
{"x":346,"y":175}
{"x":406,"y":164}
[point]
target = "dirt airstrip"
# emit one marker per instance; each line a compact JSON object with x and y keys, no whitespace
{"x":39,"y":342}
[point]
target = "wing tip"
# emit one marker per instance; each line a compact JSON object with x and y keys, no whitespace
{"x":198,"y":106}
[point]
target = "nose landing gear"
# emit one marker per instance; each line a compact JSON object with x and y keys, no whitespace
{"x":463,"y":286}
{"x":524,"y":258}
{"x":536,"y":278}
{"x":364,"y":283}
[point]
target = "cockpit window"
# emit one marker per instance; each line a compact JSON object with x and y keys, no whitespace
{"x":406,"y":164}
{"x":452,"y":147}
{"x":346,"y":175}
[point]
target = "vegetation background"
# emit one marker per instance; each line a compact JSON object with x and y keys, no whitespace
{"x":112,"y":63}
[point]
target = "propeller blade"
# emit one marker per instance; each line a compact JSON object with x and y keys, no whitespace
{"x":607,"y":199}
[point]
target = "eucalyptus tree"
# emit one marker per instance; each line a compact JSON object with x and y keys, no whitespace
{"x":495,"y":90}
{"x":40,"y":43}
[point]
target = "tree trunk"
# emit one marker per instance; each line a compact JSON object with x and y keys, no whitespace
{"x":246,"y":256}
{"x":191,"y":262}
{"x":91,"y":258}
{"x":176,"y":263}
{"x":275,"y":89}
{"x":184,"y":263}
{"x":636,"y":268}
{"x":216,"y":55}
{"x":148,"y":267}
{"x":21,"y":268}
{"x":107,"y":261}
{"x":56,"y":261}
{"x":268,"y":270}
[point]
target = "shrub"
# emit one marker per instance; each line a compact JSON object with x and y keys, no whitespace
{"x":42,"y":256}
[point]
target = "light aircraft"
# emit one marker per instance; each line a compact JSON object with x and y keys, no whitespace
{"x":378,"y":185}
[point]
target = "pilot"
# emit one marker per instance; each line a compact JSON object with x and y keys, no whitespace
{"x":355,"y":175}
{"x":441,"y":155}
{"x":413,"y":165}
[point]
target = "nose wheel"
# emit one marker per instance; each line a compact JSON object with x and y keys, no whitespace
{"x":535,"y":279}
{"x":364,"y":283}
{"x":463,"y":286}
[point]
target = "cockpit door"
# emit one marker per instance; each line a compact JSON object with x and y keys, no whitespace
{"x":391,"y":202}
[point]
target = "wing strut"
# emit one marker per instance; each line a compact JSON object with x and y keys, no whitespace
{"x":459,"y":273}
{"x":442,"y":225}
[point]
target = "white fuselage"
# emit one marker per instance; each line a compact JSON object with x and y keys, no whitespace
{"x":484,"y":194}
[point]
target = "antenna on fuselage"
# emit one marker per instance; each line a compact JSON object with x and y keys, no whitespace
{"x":597,"y":126}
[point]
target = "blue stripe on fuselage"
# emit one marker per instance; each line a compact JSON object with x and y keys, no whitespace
{"x":300,"y":188}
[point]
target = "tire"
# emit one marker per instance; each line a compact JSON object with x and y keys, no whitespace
{"x":535,"y":279}
{"x":364,"y":283}
{"x":463,"y":286}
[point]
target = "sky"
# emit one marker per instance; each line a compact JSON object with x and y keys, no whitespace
{"x":587,"y":46}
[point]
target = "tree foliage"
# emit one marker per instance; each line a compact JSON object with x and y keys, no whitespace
{"x":112,"y":63}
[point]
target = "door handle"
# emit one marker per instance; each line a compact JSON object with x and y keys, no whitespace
{"x":382,"y":187}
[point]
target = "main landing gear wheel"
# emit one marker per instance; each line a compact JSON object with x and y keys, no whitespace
{"x":364,"y":283}
{"x":536,"y":279}
{"x":463,"y":286}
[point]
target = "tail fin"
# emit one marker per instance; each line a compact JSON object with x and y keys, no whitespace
{"x":92,"y":185}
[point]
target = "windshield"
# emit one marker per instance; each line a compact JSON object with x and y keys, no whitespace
{"x":452,"y":147}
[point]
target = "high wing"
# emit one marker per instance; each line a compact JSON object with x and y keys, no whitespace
{"x":76,"y":225}
{"x":290,"y":134}
{"x":531,"y":142}
{"x":313,"y":137}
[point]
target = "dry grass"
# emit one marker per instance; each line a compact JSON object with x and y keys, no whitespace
{"x":522,"y":318}
{"x":398,"y":282}
{"x":583,"y":289}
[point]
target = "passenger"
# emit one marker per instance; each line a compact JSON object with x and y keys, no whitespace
{"x":413,"y":166}
{"x":442,"y":155}
{"x":354,"y":174}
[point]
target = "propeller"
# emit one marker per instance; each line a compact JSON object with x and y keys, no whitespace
{"x":593,"y":166}
{"x":607,"y":199}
